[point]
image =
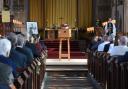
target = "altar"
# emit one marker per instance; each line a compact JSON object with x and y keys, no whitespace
{"x":52,"y":34}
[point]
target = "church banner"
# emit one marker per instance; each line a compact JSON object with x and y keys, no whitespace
{"x":5,"y":16}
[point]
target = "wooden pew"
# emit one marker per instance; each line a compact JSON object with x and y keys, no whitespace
{"x":107,"y":71}
{"x":32,"y":76}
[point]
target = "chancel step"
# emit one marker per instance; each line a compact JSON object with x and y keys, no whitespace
{"x":66,"y":68}
{"x":66,"y":65}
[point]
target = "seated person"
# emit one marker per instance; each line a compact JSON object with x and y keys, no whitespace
{"x":93,"y":42}
{"x":6,"y":66}
{"x":121,"y":49}
{"x":44,"y":47}
{"x":105,"y":41}
{"x":18,"y":58}
{"x":97,"y":40}
{"x":39,"y":47}
{"x":31,"y":44}
{"x":23,"y":49}
{"x":110,"y":45}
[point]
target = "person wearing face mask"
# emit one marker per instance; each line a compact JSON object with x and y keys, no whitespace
{"x":6,"y":66}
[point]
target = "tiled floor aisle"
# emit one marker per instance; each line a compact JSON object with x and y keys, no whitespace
{"x":65,"y":74}
{"x":67,"y":82}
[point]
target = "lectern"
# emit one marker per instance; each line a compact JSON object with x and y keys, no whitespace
{"x":64,"y":34}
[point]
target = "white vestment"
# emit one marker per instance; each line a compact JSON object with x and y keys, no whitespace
{"x":114,"y":31}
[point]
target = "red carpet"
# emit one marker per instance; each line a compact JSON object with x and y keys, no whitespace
{"x":53,"y":49}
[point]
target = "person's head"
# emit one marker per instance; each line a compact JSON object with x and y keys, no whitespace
{"x":20,"y":40}
{"x":123,"y":40}
{"x":13,"y":38}
{"x":105,"y":38}
{"x":109,"y":20}
{"x":95,"y":38}
{"x":5,"y":47}
{"x":37,"y":37}
{"x":100,"y":38}
{"x":31,"y":39}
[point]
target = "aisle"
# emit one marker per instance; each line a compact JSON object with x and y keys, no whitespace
{"x":70,"y":80}
{"x":67,"y":74}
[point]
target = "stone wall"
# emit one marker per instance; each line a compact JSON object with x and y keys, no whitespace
{"x":102,"y":9}
{"x":126,"y":16}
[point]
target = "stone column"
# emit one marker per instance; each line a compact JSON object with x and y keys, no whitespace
{"x":1,"y":5}
{"x":113,"y":15}
{"x":11,"y":7}
{"x":26,"y":9}
{"x":126,"y":16}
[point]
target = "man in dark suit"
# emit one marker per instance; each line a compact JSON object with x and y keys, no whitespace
{"x":23,"y":49}
{"x":18,"y":58}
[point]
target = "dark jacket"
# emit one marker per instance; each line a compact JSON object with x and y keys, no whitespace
{"x":6,"y":76}
{"x":27,"y":52}
{"x":107,"y":46}
{"x":33,"y":48}
{"x":123,"y":58}
{"x":95,"y":46}
{"x":7,"y":68}
{"x":18,"y":58}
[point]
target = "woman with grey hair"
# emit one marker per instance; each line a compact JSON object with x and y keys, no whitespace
{"x":121,"y":49}
{"x":13,"y":38}
{"x":6,"y":66}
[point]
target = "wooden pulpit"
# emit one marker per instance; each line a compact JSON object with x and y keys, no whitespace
{"x":64,"y":34}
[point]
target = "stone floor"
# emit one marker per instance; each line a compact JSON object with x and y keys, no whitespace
{"x":67,"y":74}
{"x":67,"y":81}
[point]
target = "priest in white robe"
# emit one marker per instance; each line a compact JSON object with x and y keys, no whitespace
{"x":110,"y":28}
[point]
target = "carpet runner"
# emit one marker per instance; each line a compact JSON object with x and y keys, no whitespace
{"x":53,"y":49}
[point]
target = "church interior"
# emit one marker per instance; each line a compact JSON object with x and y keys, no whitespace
{"x":63,"y":44}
